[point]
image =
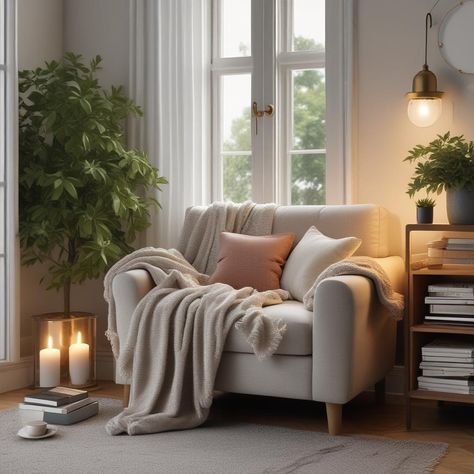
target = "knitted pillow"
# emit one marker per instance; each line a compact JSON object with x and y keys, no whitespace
{"x":313,"y":254}
{"x":247,"y":260}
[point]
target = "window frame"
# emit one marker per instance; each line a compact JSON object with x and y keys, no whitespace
{"x":271,"y":178}
{"x":9,"y":68}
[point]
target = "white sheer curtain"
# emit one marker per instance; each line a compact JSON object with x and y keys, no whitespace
{"x":170,"y":78}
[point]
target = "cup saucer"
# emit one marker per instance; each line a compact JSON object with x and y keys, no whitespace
{"x":51,"y":431}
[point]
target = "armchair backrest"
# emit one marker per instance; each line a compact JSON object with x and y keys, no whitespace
{"x":368,"y":222}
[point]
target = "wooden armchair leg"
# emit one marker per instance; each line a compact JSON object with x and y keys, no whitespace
{"x":334,"y":416}
{"x":380,"y":392}
{"x":126,"y":395}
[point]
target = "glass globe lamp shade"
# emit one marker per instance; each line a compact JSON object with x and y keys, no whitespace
{"x":424,"y":112}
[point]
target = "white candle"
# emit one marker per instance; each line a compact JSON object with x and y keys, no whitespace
{"x":49,"y":365}
{"x":79,"y":362}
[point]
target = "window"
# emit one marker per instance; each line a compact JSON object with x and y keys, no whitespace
{"x":8,"y":140}
{"x":274,"y":52}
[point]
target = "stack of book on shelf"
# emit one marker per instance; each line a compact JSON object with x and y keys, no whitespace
{"x":58,"y":406}
{"x":448,"y":366}
{"x":451,"y":251}
{"x":450,"y":303}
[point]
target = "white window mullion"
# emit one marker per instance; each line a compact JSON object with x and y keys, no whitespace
{"x":264,"y":165}
{"x":11,"y":192}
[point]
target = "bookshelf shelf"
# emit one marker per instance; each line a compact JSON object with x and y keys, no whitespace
{"x":418,"y":334}
{"x":442,"y":329}
{"x":446,"y":397}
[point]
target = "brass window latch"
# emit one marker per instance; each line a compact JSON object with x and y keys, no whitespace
{"x":261,"y":113}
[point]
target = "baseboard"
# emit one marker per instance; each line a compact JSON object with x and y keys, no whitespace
{"x":105,"y":365}
{"x":14,"y":375}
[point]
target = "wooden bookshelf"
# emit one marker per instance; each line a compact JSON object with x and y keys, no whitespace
{"x":417,"y":334}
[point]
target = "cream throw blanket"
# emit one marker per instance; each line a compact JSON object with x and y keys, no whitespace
{"x":369,"y":268}
{"x":178,"y":330}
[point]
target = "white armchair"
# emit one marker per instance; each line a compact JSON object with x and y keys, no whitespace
{"x":344,"y":348}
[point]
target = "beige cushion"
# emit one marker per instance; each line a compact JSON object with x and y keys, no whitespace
{"x":313,"y":254}
{"x":248,"y":260}
{"x":298,"y":339}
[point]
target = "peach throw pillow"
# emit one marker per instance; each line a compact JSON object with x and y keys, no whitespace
{"x":256,"y":261}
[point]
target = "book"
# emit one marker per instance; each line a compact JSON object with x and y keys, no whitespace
{"x":446,"y":388}
{"x":456,"y":288}
{"x":446,"y":253}
{"x":448,"y":372}
{"x":435,"y":261}
{"x":72,"y":417}
{"x":452,"y":309}
{"x":56,"y":397}
{"x":451,"y":294}
{"x":459,"y":240}
{"x":459,"y":381}
{"x":444,"y":358}
{"x":424,"y":364}
{"x":459,"y":246}
{"x":61,"y":409}
{"x":464,"y":347}
{"x":442,"y":319}
{"x":445,"y":300}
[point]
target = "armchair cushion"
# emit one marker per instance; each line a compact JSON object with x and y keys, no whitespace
{"x":298,"y":339}
{"x":313,"y":254}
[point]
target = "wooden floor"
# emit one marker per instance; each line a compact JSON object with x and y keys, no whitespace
{"x":449,"y":423}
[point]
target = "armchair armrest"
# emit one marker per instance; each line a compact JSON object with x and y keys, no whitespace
{"x":128,"y":289}
{"x":353,"y":335}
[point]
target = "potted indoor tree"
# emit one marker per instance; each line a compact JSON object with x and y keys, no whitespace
{"x":83,"y":193}
{"x":446,"y":163}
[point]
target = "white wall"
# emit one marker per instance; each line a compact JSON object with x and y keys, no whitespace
{"x":390,"y":53}
{"x":40,"y":38}
{"x":40,"y":32}
{"x":101,"y":27}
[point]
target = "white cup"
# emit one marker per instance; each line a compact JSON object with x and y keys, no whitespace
{"x":36,"y":428}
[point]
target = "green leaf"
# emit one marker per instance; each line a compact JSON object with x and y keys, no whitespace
{"x":69,"y":187}
{"x":86,"y":106}
{"x":50,"y":119}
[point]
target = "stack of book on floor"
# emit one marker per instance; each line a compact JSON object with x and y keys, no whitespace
{"x":58,"y":406}
{"x":448,"y":366}
{"x":451,"y":251}
{"x":450,"y":303}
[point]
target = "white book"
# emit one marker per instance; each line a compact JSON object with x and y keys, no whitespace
{"x":432,"y":372}
{"x":458,"y":381}
{"x":448,"y":365}
{"x":452,"y":309}
{"x":453,"y":301}
{"x":443,"y":358}
{"x":450,"y":294}
{"x":449,"y":286}
{"x":460,"y":240}
{"x":446,"y":388}
{"x":461,"y":347}
{"x":63,"y":409}
{"x":452,"y":318}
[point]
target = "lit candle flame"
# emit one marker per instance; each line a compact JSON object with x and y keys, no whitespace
{"x":79,"y":338}
{"x":50,"y":342}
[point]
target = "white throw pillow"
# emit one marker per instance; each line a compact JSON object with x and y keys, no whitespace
{"x":313,"y":254}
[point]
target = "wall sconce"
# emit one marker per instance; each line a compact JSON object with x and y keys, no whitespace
{"x":425,"y":105}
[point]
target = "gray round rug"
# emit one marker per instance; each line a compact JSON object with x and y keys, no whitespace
{"x":212,"y":448}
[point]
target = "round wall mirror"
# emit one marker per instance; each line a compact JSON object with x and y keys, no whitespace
{"x":456,"y":37}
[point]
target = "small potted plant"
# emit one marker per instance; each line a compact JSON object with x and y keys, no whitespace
{"x":446,"y":163}
{"x":424,"y":210}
